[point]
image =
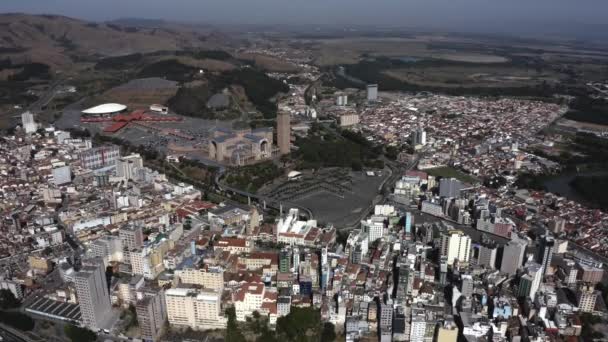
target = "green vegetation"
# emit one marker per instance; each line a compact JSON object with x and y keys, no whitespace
{"x":212,"y":54}
{"x":170,"y":69}
{"x":593,"y":188}
{"x":251,"y":178}
{"x":29,"y":71}
{"x":8,"y":300}
{"x":17,"y":320}
{"x":450,"y":172}
{"x":77,"y":334}
{"x":259,"y":87}
{"x":376,"y":71}
{"x":233,"y":333}
{"x":192,"y":101}
{"x":324,"y":148}
{"x":588,"y":333}
{"x":302,"y":324}
{"x":119,"y":62}
{"x":531,"y":181}
{"x":590,"y":110}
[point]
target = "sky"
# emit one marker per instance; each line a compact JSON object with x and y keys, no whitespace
{"x":491,"y":16}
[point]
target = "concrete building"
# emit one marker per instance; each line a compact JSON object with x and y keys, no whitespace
{"x":447,"y":332}
{"x":455,"y":245}
{"x":62,"y":175}
{"x":131,"y":236}
{"x":342,"y":100}
{"x":28,"y":123}
{"x":544,"y":254}
{"x":100,"y":157}
{"x":93,"y":296}
{"x":373,"y":227}
{"x":126,"y":167}
{"x":418,"y":325}
{"x":241,"y":147}
{"x":450,"y":187}
{"x":284,"y":132}
{"x":208,"y":277}
{"x":151,"y":315}
{"x":15,"y":288}
{"x":348,"y":120}
{"x":467,"y":285}
{"x":372,"y":92}
{"x":530,"y":282}
{"x":587,"y":297}
{"x":109,"y":248}
{"x":196,"y":309}
{"x":513,"y":256}
{"x":418,"y":137}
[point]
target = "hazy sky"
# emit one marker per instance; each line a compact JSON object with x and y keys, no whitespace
{"x":480,"y":15}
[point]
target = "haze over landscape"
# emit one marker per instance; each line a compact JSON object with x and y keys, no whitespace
{"x":581,"y":19}
{"x":303,"y":170}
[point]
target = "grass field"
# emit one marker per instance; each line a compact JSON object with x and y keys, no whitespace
{"x":450,"y":172}
{"x":474,"y":75}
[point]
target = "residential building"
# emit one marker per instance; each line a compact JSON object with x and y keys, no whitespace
{"x":455,"y":245}
{"x":93,"y":296}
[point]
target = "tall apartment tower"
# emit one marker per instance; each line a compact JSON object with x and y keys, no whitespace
{"x":513,"y":256}
{"x":151,"y":315}
{"x":131,"y":237}
{"x":93,"y":295}
{"x":455,"y":245}
{"x":544,"y":253}
{"x":372,"y":92}
{"x":284,"y":132}
{"x":28,"y":123}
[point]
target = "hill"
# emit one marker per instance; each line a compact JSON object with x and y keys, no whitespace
{"x":60,"y":41}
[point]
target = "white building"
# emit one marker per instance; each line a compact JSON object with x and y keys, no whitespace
{"x":126,"y":167}
{"x":28,"y":123}
{"x":455,"y":245}
{"x":373,"y":227}
{"x":196,"y":309}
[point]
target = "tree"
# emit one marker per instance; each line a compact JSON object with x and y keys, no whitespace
{"x":329,"y":332}
{"x":77,"y":334}
{"x":233,"y":333}
{"x":8,"y":300}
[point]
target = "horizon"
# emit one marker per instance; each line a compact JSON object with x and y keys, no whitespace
{"x":563,"y":18}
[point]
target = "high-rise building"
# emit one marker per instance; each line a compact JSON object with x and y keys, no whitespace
{"x":109,"y":248}
{"x":513,"y":256}
{"x":450,"y":187}
{"x":196,"y":309}
{"x":132,"y":236}
{"x":93,"y":296}
{"x":373,"y":227}
{"x":28,"y":123}
{"x":467,"y":285}
{"x":485,"y":255}
{"x":126,"y":167}
{"x":418,"y":325}
{"x":587,"y":297}
{"x":455,"y":245}
{"x":557,"y":225}
{"x":100,"y":157}
{"x":372,"y":92}
{"x":544,"y":254}
{"x":284,"y":261}
{"x":530,"y":282}
{"x":408,"y":225}
{"x":418,"y":137}
{"x":386,"y":317}
{"x":151,"y":315}
{"x":284,"y":132}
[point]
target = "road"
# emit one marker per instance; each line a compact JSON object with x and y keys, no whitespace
{"x":270,"y":203}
